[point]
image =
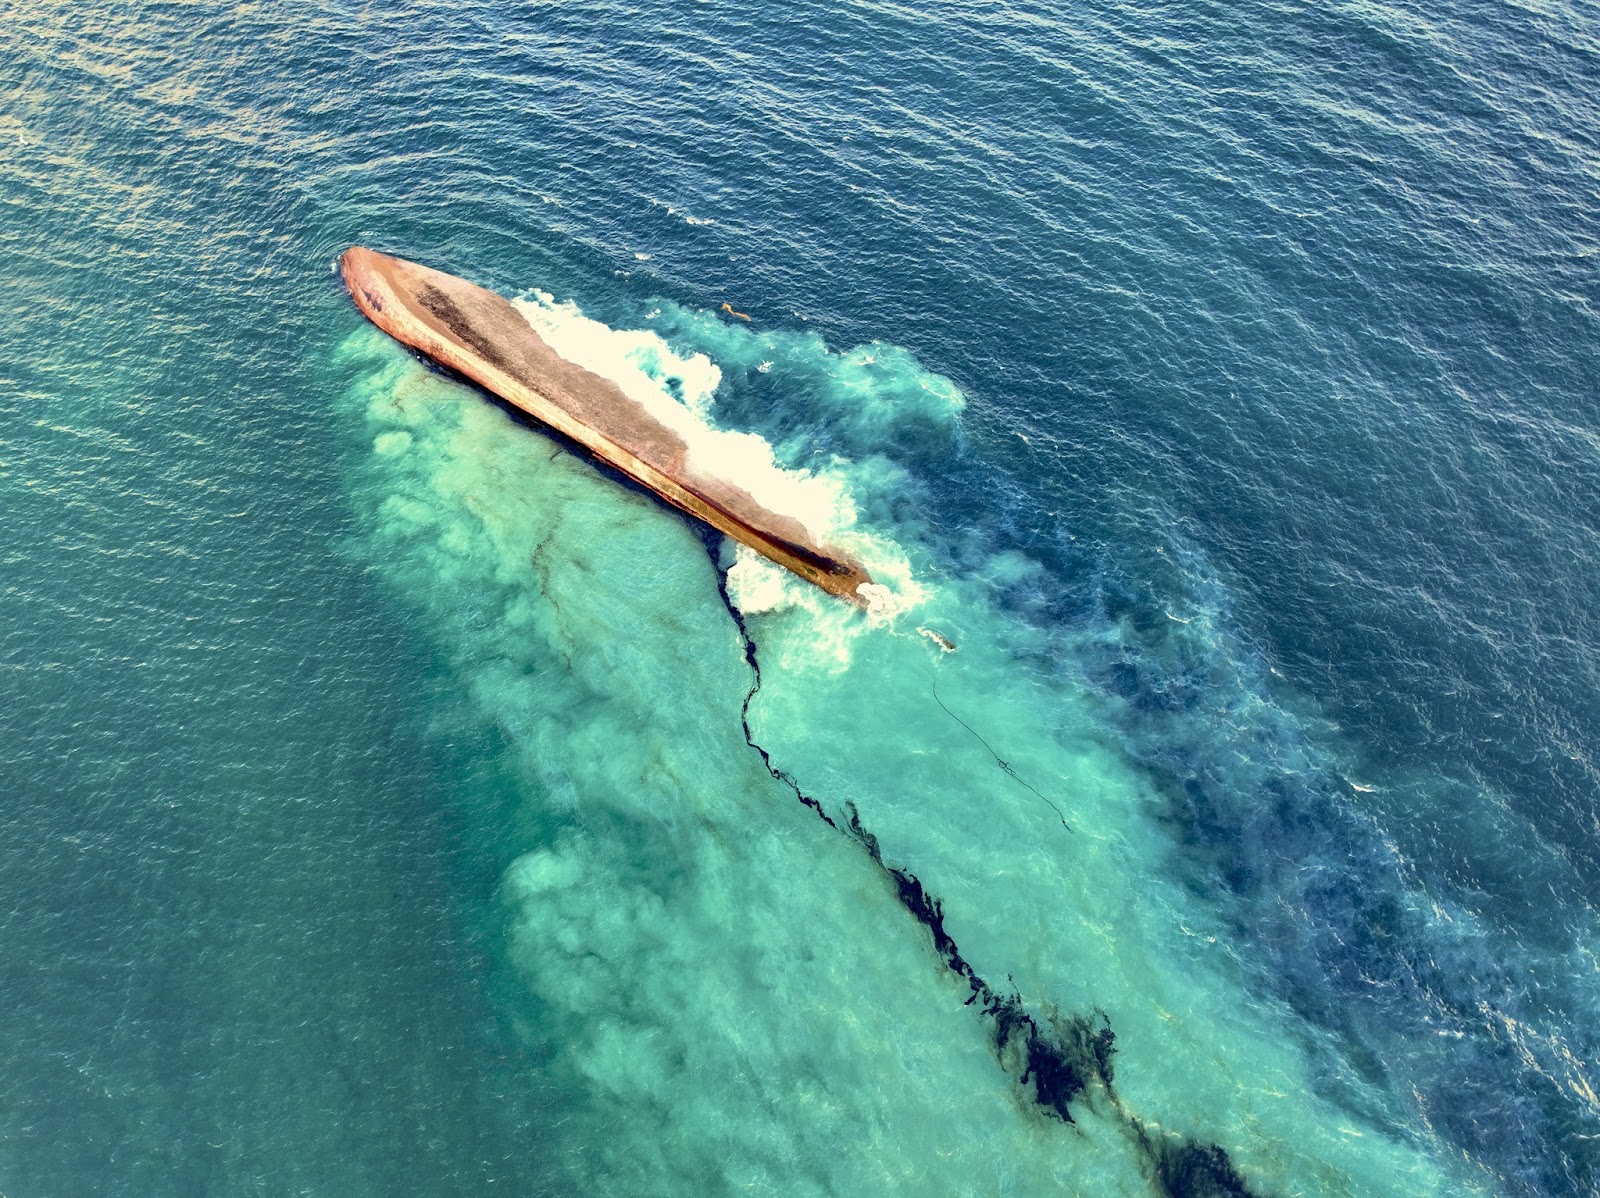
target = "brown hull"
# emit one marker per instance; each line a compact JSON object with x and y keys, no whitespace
{"x":480,"y":335}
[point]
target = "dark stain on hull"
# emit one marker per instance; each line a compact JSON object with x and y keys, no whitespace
{"x":446,"y":309}
{"x":1060,"y":1061}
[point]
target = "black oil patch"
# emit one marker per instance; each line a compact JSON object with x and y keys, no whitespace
{"x":1061,"y":1062}
{"x":1188,"y":1170}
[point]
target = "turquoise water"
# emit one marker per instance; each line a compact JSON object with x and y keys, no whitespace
{"x":391,"y":807}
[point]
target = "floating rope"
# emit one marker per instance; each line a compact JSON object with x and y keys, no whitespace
{"x":1005,"y":766}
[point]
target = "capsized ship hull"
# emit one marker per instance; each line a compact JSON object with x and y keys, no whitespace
{"x":481,"y":335}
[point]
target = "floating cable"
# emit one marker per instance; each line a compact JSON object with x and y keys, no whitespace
{"x":1005,"y":766}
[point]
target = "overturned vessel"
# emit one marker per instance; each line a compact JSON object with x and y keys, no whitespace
{"x":479,"y":334}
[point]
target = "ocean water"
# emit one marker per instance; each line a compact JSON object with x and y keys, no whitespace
{"x":394,"y":804}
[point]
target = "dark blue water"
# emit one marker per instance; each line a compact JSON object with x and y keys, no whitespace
{"x":1225,"y":378}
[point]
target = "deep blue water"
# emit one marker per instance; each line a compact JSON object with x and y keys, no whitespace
{"x":1222,"y":379}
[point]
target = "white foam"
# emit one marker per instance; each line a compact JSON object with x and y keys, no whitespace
{"x":680,"y":391}
{"x":757,"y":586}
{"x":680,"y":214}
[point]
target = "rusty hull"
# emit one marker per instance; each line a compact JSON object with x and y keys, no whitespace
{"x":481,"y":335}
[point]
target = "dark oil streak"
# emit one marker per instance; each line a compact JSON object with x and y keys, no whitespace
{"x":1061,"y":1057}
{"x":744,"y":712}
